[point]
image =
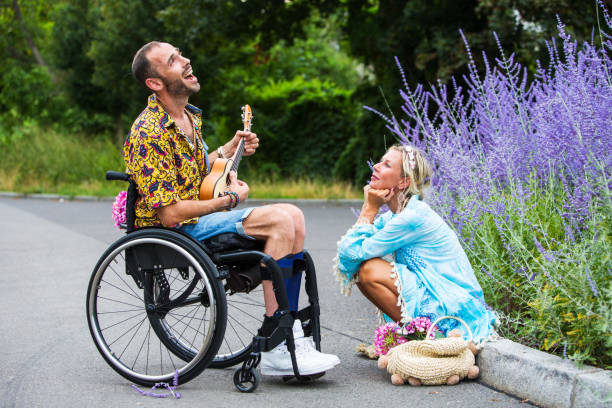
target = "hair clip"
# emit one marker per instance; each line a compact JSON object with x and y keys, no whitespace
{"x":411,"y":157}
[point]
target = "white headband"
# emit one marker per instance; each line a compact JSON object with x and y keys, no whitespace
{"x":411,"y":157}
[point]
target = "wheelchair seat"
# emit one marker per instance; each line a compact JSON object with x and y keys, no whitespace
{"x":230,"y":241}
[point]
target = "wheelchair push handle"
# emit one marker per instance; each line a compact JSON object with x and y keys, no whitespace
{"x":132,"y":196}
{"x":116,"y":175}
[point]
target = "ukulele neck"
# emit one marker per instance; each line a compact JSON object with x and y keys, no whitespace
{"x":238,"y":155}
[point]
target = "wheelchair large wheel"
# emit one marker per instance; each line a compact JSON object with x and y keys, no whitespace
{"x":245,"y":312}
{"x":155,"y":307}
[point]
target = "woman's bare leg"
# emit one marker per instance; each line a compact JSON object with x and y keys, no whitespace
{"x":376,"y":284}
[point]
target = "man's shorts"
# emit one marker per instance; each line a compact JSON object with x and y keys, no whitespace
{"x":218,"y":223}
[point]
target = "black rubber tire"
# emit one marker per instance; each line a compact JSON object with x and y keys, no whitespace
{"x":251,"y":383}
{"x":195,"y":356}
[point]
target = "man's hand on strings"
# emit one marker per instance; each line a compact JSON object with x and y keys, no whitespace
{"x":238,"y":186}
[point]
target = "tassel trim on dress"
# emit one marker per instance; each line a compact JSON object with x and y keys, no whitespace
{"x":406,"y":318}
{"x":346,"y":285}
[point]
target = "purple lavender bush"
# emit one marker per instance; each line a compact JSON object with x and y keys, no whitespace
{"x":523,"y":173}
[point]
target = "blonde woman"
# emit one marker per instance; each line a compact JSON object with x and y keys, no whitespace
{"x":408,"y":262}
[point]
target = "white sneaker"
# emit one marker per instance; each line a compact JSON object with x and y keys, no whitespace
{"x":310,"y":361}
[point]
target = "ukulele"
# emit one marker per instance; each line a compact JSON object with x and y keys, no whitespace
{"x":217,"y":181}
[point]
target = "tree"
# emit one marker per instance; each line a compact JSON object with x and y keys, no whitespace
{"x":26,"y":80}
{"x":72,"y":36}
{"x":121,"y":28}
{"x":24,"y":23}
{"x":96,"y":40}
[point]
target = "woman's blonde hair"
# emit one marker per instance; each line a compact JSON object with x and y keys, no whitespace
{"x":416,"y":168}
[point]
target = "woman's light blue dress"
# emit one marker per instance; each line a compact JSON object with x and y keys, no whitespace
{"x":430,"y":269}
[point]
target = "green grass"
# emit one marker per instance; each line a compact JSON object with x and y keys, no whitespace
{"x":303,"y":188}
{"x":37,"y":160}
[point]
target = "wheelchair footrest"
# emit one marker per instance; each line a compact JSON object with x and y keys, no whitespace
{"x":303,"y":378}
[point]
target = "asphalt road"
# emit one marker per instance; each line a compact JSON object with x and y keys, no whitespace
{"x":47,"y":252}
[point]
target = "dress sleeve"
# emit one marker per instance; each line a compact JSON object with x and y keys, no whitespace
{"x":153,"y":168}
{"x":363,"y":242}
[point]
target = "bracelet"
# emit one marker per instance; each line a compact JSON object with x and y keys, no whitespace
{"x":220,"y":152}
{"x":234,"y":199}
{"x":237,"y":198}
{"x":363,"y":221}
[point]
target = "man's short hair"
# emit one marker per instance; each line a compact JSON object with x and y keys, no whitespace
{"x":141,"y":66}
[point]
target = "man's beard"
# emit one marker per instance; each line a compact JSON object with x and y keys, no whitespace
{"x":177,"y":87}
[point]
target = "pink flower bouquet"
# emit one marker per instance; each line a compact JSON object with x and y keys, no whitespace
{"x":386,"y":337}
{"x":390,"y":335}
{"x":417,"y":329}
{"x":119,"y":209}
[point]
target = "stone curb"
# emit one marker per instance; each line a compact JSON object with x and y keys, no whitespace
{"x":55,"y":197}
{"x":252,"y":202}
{"x":544,"y":379}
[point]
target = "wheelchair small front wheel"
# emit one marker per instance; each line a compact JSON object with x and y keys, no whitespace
{"x":246,"y":380}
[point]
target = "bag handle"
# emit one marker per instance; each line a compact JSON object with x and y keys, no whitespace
{"x":448,"y":317}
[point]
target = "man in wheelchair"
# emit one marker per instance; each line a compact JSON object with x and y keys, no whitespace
{"x":167,"y":158}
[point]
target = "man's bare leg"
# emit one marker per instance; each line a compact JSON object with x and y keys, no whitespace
{"x":282,"y":227}
{"x":299,"y":225}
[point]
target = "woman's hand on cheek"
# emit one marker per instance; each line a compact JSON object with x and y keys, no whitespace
{"x":376,"y":198}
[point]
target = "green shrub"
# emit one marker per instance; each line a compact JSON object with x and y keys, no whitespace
{"x":303,"y":126}
{"x":551,"y":292}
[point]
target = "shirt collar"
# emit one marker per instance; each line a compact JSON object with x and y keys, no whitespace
{"x":193,"y":109}
{"x":154,"y":105}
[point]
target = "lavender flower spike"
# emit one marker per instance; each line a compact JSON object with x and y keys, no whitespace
{"x":591,"y":283}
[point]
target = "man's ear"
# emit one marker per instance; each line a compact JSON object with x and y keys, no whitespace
{"x":154,"y":84}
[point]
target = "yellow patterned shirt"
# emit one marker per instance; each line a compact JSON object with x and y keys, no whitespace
{"x":163,"y":162}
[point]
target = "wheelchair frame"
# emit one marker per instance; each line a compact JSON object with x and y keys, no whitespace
{"x":157,"y":258}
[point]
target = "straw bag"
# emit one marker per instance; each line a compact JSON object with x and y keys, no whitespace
{"x":432,"y":362}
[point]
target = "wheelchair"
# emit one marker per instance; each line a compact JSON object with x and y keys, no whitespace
{"x":161,"y":304}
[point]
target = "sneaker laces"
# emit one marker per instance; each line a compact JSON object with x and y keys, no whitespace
{"x":305,"y":343}
{"x":302,"y":344}
{"x":300,"y":348}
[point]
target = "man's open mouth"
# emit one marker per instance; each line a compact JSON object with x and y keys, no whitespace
{"x":189,"y":75}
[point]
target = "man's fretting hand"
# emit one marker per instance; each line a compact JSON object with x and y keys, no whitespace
{"x":238,"y":186}
{"x":251,"y":143}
